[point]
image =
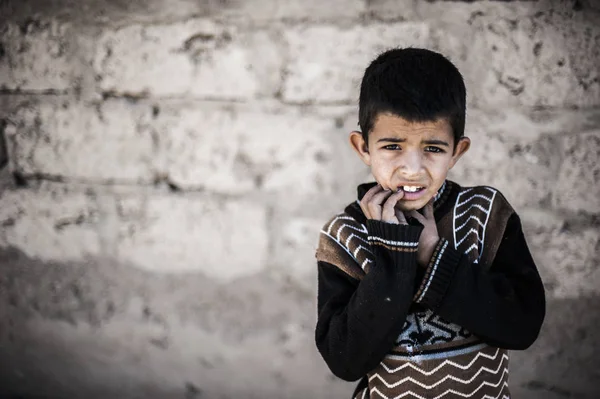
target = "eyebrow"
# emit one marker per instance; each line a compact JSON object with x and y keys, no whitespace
{"x":398,"y":140}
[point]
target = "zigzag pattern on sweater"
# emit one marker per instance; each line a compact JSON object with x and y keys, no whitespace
{"x":351,"y":236}
{"x":475,"y":375}
{"x":471,"y":214}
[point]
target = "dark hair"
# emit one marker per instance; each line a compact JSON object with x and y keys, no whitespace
{"x":416,"y":84}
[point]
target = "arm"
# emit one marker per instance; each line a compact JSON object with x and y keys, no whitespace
{"x":504,"y":306}
{"x":359,"y":320}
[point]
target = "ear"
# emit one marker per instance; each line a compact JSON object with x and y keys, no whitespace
{"x":358,"y":144}
{"x":463,"y":145}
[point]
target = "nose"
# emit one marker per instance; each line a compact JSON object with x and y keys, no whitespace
{"x":411,"y":163}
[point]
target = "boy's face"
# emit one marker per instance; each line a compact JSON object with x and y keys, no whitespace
{"x":410,"y":156}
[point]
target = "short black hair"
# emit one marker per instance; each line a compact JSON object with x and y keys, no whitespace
{"x":416,"y":84}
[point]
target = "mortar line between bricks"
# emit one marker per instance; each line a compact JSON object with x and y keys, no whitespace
{"x":120,"y":188}
{"x":49,"y":92}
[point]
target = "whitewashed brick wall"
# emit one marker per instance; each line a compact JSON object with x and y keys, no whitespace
{"x":209,"y":139}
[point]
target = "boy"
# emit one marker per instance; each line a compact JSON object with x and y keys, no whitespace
{"x":423,"y":284}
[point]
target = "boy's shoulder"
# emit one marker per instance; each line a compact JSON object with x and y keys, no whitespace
{"x":478,"y":222}
{"x":483,"y":197}
{"x":344,"y":243}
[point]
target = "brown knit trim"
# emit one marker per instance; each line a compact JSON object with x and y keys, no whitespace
{"x":343,"y":242}
{"x":447,"y":190}
{"x":430,"y":267}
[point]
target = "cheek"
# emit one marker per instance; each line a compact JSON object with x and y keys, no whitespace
{"x":381,"y":169}
{"x":438,"y":170}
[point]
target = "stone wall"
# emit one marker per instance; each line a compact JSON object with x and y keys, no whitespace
{"x":165,"y":168}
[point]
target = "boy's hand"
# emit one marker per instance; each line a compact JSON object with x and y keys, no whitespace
{"x":429,"y":236}
{"x":380,"y":204}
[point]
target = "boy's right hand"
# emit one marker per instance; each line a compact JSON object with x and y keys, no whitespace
{"x":380,"y":204}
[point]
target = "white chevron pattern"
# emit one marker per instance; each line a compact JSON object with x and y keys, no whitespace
{"x":472,"y":230}
{"x":484,"y":210}
{"x":474,"y":206}
{"x":448,"y":377}
{"x":414,"y":395}
{"x":468,"y":220}
{"x":353,"y":244}
{"x":502,"y":384}
{"x":458,"y":204}
{"x":444,"y":363}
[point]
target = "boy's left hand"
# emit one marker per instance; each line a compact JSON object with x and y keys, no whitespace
{"x":429,"y":236}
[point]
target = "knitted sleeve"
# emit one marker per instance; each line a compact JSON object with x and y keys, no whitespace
{"x":503,"y":304}
{"x":360,"y":314}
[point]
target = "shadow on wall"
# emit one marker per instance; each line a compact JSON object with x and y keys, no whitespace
{"x":3,"y":149}
{"x":70,"y":332}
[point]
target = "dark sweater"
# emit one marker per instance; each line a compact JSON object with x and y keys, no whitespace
{"x":435,"y":332}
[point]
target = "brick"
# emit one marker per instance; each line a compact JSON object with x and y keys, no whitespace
{"x":242,"y":149}
{"x":568,"y":261}
{"x":393,"y":10}
{"x":110,"y":142}
{"x":197,"y":58}
{"x":522,"y":168}
{"x":292,"y":10}
{"x":528,"y":125}
{"x":3,"y":151}
{"x":544,"y":59}
{"x":327,"y":62}
{"x":578,"y":185}
{"x":49,"y":223}
{"x":295,"y":245}
{"x":39,"y":55}
{"x":176,"y":234}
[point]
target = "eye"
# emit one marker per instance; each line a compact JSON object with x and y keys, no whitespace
{"x":434,"y":149}
{"x":392,"y":147}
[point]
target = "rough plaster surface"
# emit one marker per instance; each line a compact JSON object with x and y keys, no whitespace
{"x":579,"y":175}
{"x":177,"y":241}
{"x":328,"y":61}
{"x":52,"y":223}
{"x":165,"y":168}
{"x":197,"y":58}
{"x":245,"y":149}
{"x":111,"y":141}
{"x":38,"y":55}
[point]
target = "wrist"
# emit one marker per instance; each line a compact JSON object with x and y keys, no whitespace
{"x":428,"y":248}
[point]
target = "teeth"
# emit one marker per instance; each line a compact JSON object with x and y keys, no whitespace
{"x":411,"y":189}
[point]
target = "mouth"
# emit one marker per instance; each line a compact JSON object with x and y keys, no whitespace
{"x":412,"y":192}
{"x":411,"y":189}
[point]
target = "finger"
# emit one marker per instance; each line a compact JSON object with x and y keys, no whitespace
{"x":364,"y":202}
{"x":372,"y":191}
{"x":375,"y":208}
{"x":429,"y":210}
{"x":380,"y":197}
{"x":389,"y":207}
{"x":388,"y":213}
{"x":400,"y":216}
